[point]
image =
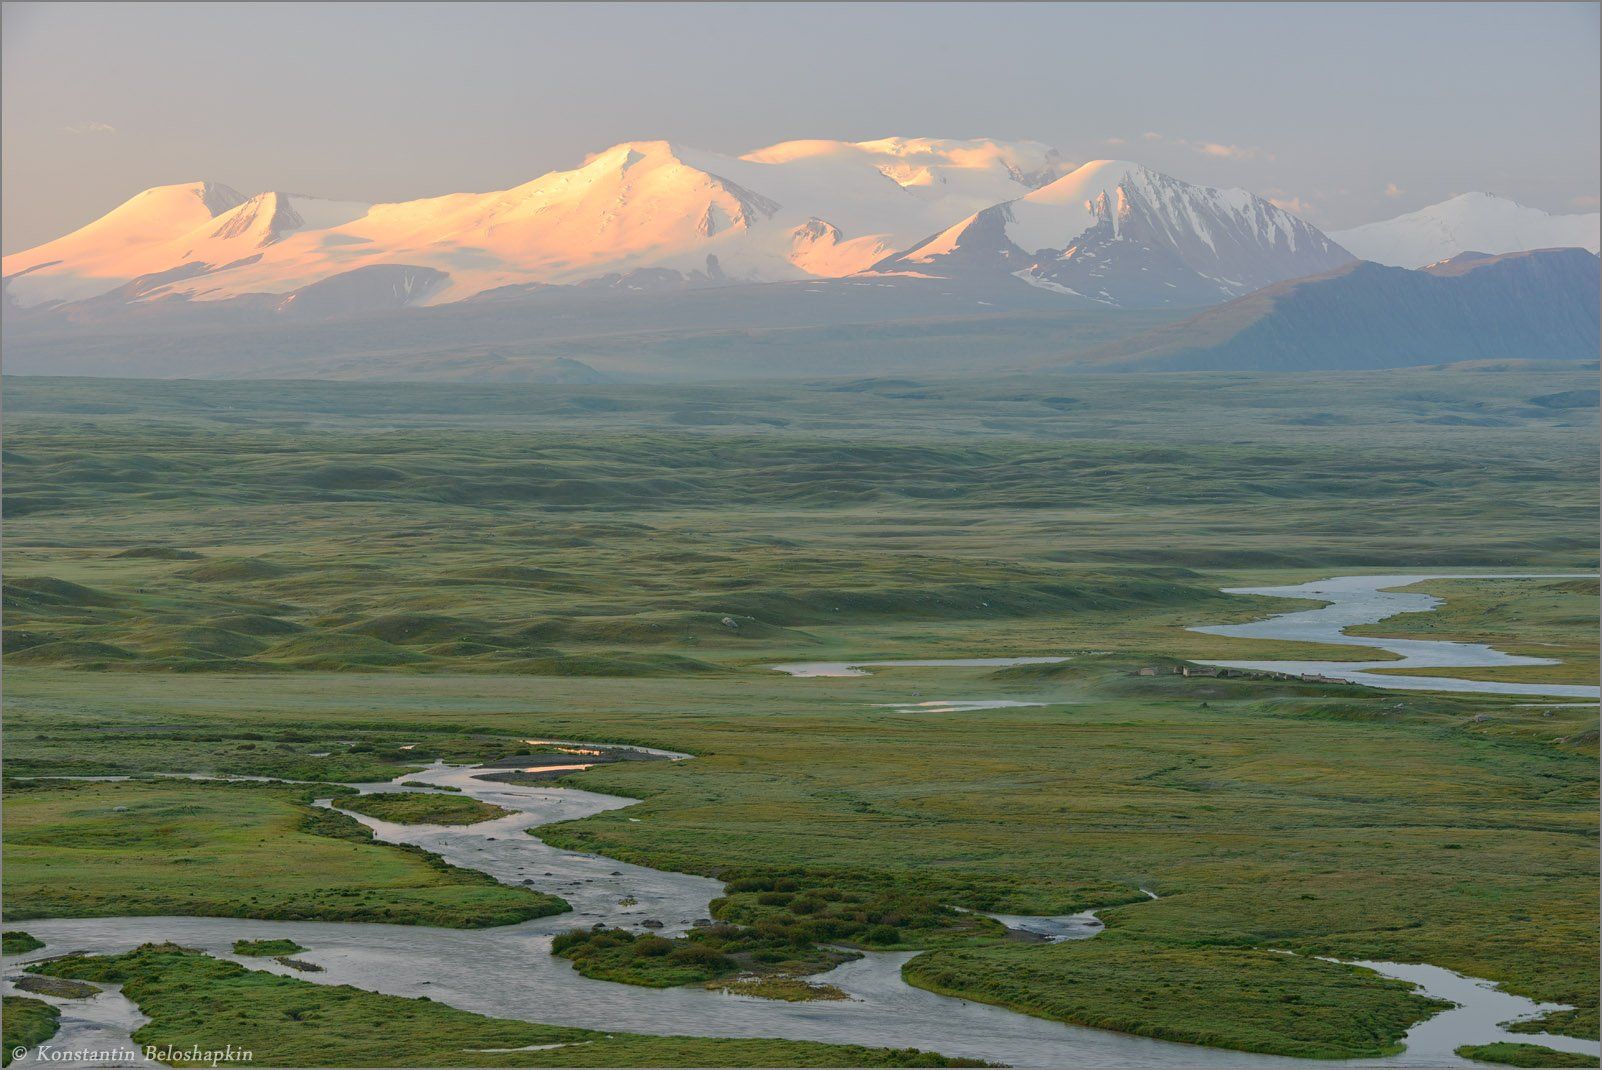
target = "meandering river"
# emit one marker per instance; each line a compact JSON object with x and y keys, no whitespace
{"x":508,"y":972}
{"x":1357,"y":600}
{"x":1350,"y":601}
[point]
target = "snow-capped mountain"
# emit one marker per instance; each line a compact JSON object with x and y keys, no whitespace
{"x":636,"y":215}
{"x":156,"y":239}
{"x":1471,"y":222}
{"x":1125,"y":235}
{"x":649,"y":214}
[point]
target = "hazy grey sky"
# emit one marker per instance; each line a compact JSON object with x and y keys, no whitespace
{"x":1344,"y":112}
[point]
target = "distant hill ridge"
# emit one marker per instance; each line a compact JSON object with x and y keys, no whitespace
{"x":1529,"y":305}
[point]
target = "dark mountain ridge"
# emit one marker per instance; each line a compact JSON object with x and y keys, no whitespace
{"x":1536,"y":305}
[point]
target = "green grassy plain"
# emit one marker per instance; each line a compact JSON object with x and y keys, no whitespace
{"x":300,"y":581}
{"x":76,"y":849}
{"x":197,"y":1001}
{"x":600,"y":531}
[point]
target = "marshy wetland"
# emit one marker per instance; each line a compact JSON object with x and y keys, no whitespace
{"x":339,"y":585}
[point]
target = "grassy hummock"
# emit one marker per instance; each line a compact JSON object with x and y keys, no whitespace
{"x":193,"y":1000}
{"x":266,"y":948}
{"x":26,"y":1023}
{"x":1573,"y":1022}
{"x":17,"y":942}
{"x":642,"y":959}
{"x":788,"y":989}
{"x":419,"y":808}
{"x":1524,"y":1055}
{"x":1218,"y":996}
{"x":55,"y":986}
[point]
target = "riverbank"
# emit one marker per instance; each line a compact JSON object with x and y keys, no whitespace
{"x":286,"y":1021}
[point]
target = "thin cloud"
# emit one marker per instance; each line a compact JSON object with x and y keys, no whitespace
{"x":1216,"y":149}
{"x":1294,"y":205}
{"x":1290,"y":202}
{"x":93,"y":126}
{"x":1393,"y":190}
{"x":1116,"y":141}
{"x":1230,"y":152}
{"x":1585,"y":201}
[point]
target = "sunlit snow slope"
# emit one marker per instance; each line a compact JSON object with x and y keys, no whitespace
{"x":1470,"y":223}
{"x":650,"y":214}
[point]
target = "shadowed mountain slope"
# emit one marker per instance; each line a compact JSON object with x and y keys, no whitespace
{"x":1536,"y":305}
